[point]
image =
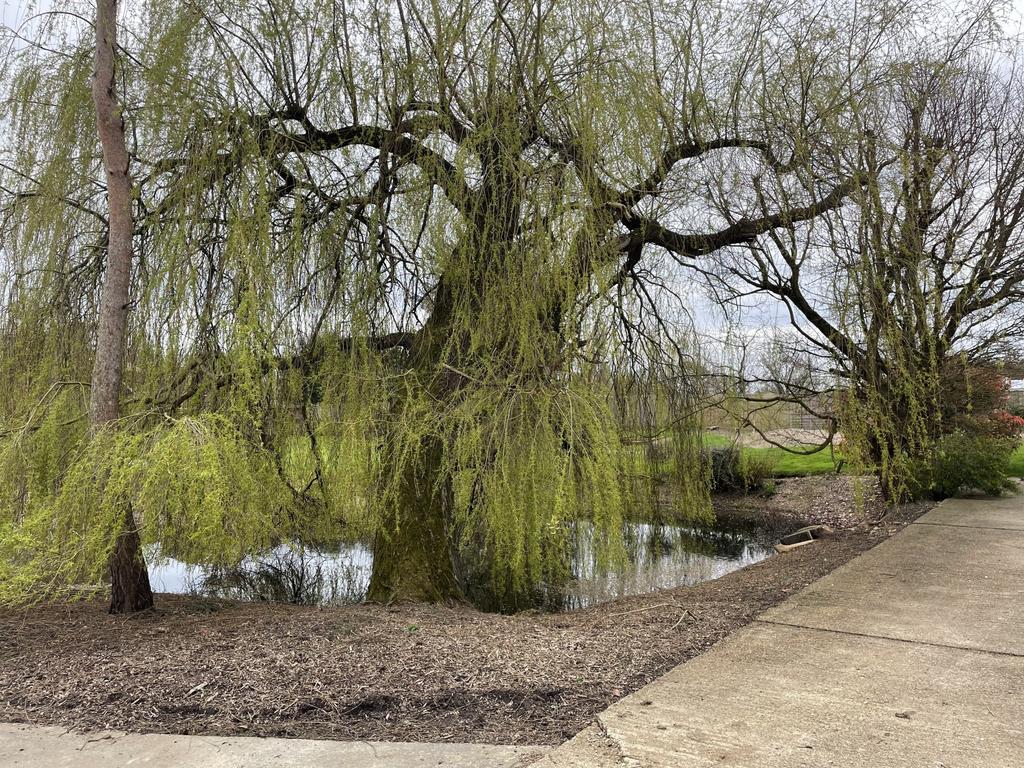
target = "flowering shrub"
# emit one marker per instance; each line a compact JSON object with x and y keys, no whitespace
{"x":972,"y":391}
{"x":997,"y":423}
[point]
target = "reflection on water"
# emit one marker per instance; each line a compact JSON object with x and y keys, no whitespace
{"x":659,"y":556}
{"x":662,"y":557}
{"x":286,"y":574}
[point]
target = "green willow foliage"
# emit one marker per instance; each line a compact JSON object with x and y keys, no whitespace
{"x":204,"y":494}
{"x":391,"y":274}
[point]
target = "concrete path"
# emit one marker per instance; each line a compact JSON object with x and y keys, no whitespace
{"x":43,"y":747}
{"x":909,"y":656}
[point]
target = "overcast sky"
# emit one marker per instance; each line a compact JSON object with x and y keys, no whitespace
{"x":15,"y":11}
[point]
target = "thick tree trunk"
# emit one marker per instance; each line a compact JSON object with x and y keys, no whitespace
{"x":129,"y":581}
{"x":412,"y":556}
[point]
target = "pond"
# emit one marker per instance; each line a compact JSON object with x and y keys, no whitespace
{"x":659,"y":556}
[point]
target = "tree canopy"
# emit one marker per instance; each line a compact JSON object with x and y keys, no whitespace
{"x":407,"y":270}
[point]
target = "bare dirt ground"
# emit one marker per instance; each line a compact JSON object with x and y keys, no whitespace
{"x":406,"y":673}
{"x":840,"y":501}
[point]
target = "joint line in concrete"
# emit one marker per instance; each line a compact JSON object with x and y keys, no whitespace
{"x":891,"y":639}
{"x":969,"y":527}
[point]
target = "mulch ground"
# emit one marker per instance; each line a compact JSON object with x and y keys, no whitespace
{"x":407,"y":673}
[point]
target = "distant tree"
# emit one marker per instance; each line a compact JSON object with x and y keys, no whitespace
{"x":916,"y":284}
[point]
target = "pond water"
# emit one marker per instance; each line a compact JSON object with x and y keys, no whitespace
{"x":659,"y":556}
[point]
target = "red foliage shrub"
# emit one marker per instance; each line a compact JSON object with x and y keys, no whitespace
{"x":1006,"y":424}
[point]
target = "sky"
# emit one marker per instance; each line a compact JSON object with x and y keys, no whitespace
{"x":13,"y":12}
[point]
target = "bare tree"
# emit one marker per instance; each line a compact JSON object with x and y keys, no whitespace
{"x":919,"y":277}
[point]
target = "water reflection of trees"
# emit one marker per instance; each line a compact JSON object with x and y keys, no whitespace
{"x":658,"y":555}
{"x":298,"y":575}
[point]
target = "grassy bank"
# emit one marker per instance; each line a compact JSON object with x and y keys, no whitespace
{"x":783,"y":462}
{"x":786,"y":464}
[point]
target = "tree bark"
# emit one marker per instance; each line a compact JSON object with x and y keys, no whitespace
{"x":129,"y":580}
{"x":412,"y":556}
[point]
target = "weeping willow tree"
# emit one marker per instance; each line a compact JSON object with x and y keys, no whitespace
{"x":904,"y":297}
{"x":402,"y":270}
{"x":940,"y":272}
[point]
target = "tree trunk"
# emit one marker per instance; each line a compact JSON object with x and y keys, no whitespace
{"x":412,"y":556}
{"x":129,"y":581}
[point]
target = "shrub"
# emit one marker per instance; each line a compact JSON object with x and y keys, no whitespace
{"x":724,"y":463}
{"x":968,"y":390}
{"x":998,"y":423}
{"x":734,"y":470}
{"x":1007,"y":424}
{"x":961,"y":462}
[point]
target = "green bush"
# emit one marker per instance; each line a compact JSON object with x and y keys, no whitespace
{"x":735,"y":470}
{"x":724,"y":463}
{"x":961,"y":462}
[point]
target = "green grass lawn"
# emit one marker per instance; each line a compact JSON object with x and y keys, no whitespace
{"x":1017,"y":463}
{"x":784,"y":463}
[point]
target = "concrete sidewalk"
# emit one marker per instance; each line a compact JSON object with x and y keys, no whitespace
{"x":911,"y":655}
{"x":23,"y":746}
